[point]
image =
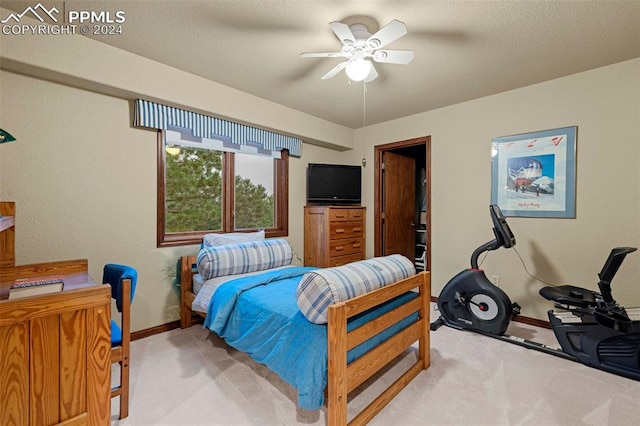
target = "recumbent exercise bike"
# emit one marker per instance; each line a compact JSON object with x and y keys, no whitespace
{"x":590,"y":326}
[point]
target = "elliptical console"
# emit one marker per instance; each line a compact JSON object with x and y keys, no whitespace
{"x":470,"y":300}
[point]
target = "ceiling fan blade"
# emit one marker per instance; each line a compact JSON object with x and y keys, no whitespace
{"x":321,"y":55}
{"x":387,"y":34}
{"x":393,"y":56}
{"x":335,"y":70}
{"x":343,"y":32}
{"x":373,"y":74}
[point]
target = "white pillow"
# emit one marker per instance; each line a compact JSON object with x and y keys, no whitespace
{"x":213,"y":240}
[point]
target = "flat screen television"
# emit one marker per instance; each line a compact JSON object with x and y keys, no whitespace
{"x":334,"y":184}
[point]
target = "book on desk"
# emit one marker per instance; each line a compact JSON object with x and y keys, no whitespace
{"x":36,"y":286}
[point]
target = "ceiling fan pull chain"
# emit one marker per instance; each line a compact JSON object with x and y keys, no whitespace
{"x":364,"y":121}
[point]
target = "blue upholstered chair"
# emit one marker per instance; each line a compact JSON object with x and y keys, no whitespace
{"x":123,"y":280}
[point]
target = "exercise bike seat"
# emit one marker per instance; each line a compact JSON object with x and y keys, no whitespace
{"x":569,"y":295}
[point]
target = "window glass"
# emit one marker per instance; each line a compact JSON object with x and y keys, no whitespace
{"x":254,"y":192}
{"x":202,"y":190}
{"x":193,"y":194}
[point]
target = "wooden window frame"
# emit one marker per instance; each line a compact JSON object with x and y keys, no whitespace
{"x":281,"y":205}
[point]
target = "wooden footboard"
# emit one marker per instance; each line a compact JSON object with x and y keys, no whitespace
{"x":342,"y":377}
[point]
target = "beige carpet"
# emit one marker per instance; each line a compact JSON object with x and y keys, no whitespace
{"x":191,"y":377}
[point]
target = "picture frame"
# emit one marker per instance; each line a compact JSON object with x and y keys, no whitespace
{"x":534,"y":174}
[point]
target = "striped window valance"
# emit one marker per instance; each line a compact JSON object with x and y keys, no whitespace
{"x":162,"y":117}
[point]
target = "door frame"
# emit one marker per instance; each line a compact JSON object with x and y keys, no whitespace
{"x":379,"y":151}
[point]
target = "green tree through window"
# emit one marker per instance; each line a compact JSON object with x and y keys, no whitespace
{"x":254,"y":200}
{"x":194,"y":190}
{"x":201,"y":191}
{"x":254,"y":207}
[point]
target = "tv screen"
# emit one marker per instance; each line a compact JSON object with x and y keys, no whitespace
{"x":334,"y":184}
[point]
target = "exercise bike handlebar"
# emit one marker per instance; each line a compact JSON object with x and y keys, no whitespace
{"x":488,"y":246}
{"x":609,"y":270}
{"x":504,"y":236}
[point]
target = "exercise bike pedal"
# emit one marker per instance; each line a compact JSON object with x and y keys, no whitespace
{"x":515,"y":310}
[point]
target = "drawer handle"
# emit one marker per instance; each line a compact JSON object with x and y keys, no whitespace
{"x":339,"y":248}
{"x":356,"y":245}
{"x":339,"y":216}
{"x":357,"y":229}
{"x":339,"y":231}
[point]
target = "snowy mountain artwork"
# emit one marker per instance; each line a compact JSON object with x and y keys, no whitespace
{"x":533,"y":174}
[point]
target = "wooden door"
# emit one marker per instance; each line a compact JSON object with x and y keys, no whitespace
{"x":399,"y":205}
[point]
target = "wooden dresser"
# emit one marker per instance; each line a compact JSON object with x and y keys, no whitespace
{"x":333,"y":235}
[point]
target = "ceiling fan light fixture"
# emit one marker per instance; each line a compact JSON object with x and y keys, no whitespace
{"x":358,"y":45}
{"x":358,"y":69}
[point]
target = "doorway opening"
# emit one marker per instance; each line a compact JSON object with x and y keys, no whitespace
{"x":402,"y":200}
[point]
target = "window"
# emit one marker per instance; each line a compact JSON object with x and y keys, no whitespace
{"x":254,"y":195}
{"x":202,"y":191}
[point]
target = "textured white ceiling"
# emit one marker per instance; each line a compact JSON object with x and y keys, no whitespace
{"x":463,"y":49}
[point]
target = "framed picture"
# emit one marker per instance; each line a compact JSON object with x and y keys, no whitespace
{"x":534,"y":174}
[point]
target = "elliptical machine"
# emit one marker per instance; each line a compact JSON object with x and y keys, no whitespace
{"x":591,"y":327}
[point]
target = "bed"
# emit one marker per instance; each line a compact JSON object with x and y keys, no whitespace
{"x":361,"y":335}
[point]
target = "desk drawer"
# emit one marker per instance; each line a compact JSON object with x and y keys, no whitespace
{"x":346,"y":246}
{"x":343,"y":260}
{"x":340,"y":230}
{"x":344,"y":215}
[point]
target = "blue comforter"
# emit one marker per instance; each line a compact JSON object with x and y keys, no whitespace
{"x":259,"y":315}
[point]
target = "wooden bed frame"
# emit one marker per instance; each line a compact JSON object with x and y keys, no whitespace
{"x":342,"y":377}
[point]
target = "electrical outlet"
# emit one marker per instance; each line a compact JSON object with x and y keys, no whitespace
{"x":495,"y":279}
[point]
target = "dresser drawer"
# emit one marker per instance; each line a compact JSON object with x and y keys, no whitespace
{"x":346,"y":246}
{"x":334,"y":235}
{"x":344,"y":215}
{"x":343,"y":260}
{"x":340,"y":230}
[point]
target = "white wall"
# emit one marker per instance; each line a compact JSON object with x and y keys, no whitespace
{"x":89,"y":64}
{"x":84,"y":183}
{"x":84,"y":180}
{"x":605,"y":105}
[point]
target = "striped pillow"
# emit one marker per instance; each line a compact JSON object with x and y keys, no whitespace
{"x":240,"y":258}
{"x":210,"y":240}
{"x":320,"y":288}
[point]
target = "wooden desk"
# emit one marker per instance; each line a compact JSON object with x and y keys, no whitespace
{"x":55,"y":363}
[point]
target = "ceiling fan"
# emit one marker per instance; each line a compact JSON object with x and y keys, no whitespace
{"x":358,"y":45}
